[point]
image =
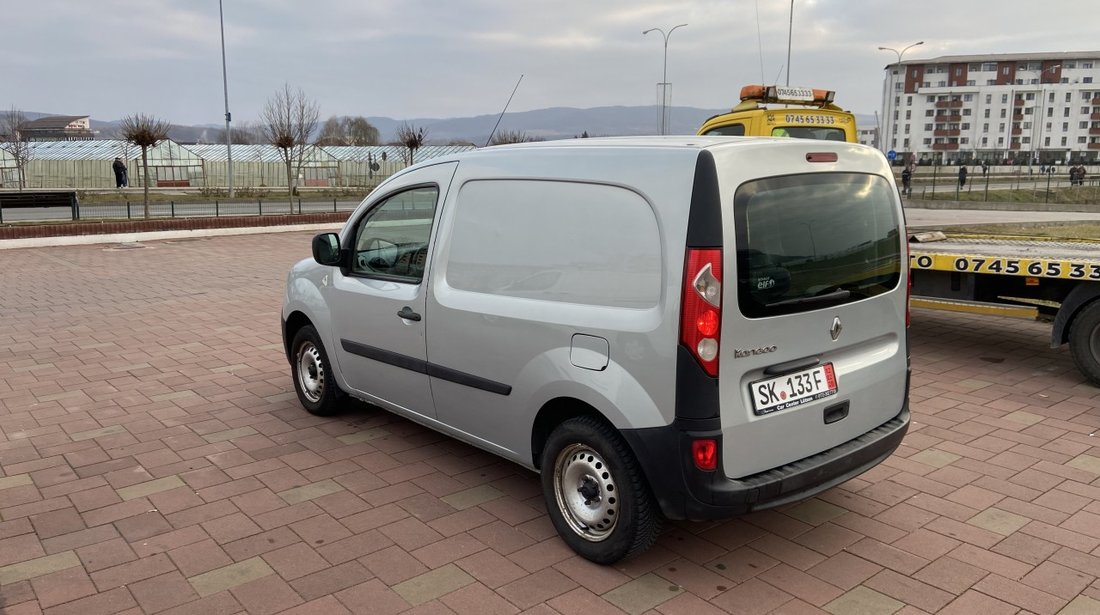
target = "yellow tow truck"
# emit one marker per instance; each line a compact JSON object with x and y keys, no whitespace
{"x":805,"y":113}
{"x":1047,"y":280}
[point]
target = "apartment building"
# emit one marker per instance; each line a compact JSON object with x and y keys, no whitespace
{"x":1011,"y":108}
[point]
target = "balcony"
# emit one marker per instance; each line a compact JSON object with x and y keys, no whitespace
{"x":1017,"y":131}
{"x":1094,"y":116}
{"x":1019,"y":102}
{"x":1094,"y":145}
{"x":949,"y":146}
{"x":1018,"y":117}
{"x":1014,"y":146}
{"x":949,"y":104}
{"x":1095,"y":130}
{"x":1096,"y":101}
{"x":946,"y":132}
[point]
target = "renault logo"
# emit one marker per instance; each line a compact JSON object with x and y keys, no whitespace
{"x":835,"y":330}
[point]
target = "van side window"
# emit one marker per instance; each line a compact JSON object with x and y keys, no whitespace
{"x":392,"y":238}
{"x":733,"y":130}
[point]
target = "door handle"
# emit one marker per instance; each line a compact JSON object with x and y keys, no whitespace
{"x":407,"y":313}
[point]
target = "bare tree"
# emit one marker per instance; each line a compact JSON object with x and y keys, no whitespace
{"x":361,"y":131}
{"x":245,"y":133}
{"x":348,"y":131}
{"x":287,"y":121}
{"x":412,"y":138}
{"x":144,"y":131}
{"x":14,"y":142}
{"x":511,"y":136}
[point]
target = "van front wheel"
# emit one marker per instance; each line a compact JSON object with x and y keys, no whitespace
{"x":1084,"y":341}
{"x":313,"y":379}
{"x":595,"y":492}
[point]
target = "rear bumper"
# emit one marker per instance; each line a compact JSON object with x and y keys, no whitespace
{"x":685,"y":492}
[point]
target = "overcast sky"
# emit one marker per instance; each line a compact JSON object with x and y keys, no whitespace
{"x":449,"y":58}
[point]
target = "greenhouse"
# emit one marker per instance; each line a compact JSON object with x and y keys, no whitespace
{"x":258,"y":166}
{"x":87,"y":164}
{"x":9,"y":171}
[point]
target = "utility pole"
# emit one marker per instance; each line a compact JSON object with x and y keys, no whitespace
{"x":228,"y":116}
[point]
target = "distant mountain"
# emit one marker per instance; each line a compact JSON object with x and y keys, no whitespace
{"x":550,"y":123}
{"x":553,"y":123}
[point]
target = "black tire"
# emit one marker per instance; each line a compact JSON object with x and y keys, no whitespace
{"x":1084,"y":341}
{"x":312,"y":374}
{"x":612,"y":513}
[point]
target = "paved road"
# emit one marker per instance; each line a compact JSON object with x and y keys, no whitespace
{"x":918,"y":217}
{"x":153,"y":456}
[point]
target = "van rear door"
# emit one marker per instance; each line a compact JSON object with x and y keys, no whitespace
{"x":813,"y":318}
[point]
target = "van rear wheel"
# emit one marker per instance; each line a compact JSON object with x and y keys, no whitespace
{"x":313,"y":379}
{"x":595,"y":492}
{"x":1084,"y":341}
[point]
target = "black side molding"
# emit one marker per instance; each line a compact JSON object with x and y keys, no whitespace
{"x":423,"y":367}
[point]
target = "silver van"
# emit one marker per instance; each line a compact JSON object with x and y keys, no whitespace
{"x":681,"y":327}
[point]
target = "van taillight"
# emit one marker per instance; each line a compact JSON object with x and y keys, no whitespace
{"x":705,"y":454}
{"x":701,"y":306}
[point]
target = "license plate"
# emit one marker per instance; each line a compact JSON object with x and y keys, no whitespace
{"x":793,"y":390}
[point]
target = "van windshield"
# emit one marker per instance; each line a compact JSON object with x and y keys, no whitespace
{"x":810,"y":241}
{"x":810,"y":132}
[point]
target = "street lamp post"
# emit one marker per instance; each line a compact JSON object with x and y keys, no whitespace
{"x":665,"y":114}
{"x":228,"y":117}
{"x":888,"y":142}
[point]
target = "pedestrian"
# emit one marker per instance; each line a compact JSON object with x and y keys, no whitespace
{"x":962,"y":177}
{"x":985,"y":168}
{"x":119,"y":168}
{"x":906,"y":178}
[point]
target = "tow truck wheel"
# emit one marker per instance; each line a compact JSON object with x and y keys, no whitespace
{"x":1084,"y":341}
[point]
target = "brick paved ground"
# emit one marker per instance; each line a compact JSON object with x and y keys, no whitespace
{"x":153,"y":458}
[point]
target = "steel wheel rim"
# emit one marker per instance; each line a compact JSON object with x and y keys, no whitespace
{"x":311,"y":372}
{"x":585,"y":492}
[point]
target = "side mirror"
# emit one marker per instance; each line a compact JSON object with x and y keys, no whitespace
{"x":326,"y":249}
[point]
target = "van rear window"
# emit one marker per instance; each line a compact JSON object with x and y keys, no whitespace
{"x":810,"y":241}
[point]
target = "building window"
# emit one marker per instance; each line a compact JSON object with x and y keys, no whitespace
{"x":1026,"y":125}
{"x":906,"y":144}
{"x":1084,"y":110}
{"x":924,"y":84}
{"x":1029,"y":96}
{"x":1004,"y":71}
{"x":1065,"y":112}
{"x":1001,"y":127}
{"x":965,"y":126}
{"x":964,"y":140}
{"x":1083,"y":125}
{"x":1085,"y":96}
{"x":986,"y":113}
{"x":1050,"y":111}
{"x":1086,"y":64}
{"x":929,"y":141}
{"x":1004,"y":112}
{"x":907,"y":129}
{"x":1065,"y":126}
{"x":1025,"y":140}
{"x":908,"y":114}
{"x":988,"y":98}
{"x":914,"y":74}
{"x":968,"y":97}
{"x":928,"y":127}
{"x":989,"y":66}
{"x":1004,"y":99}
{"x":1063,"y":141}
{"x":968,"y":111}
{"x":941,"y":84}
{"x":1082,"y":139}
{"x":985,"y":127}
{"x":908,"y":101}
{"x":1070,"y":64}
{"x":1069,"y":97}
{"x":991,"y":82}
{"x":1086,"y":79}
{"x":985,"y":141}
{"x":1046,"y":141}
{"x":931,"y":99}
{"x":1000,"y":141}
{"x":974,"y":66}
{"x":929,"y":112}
